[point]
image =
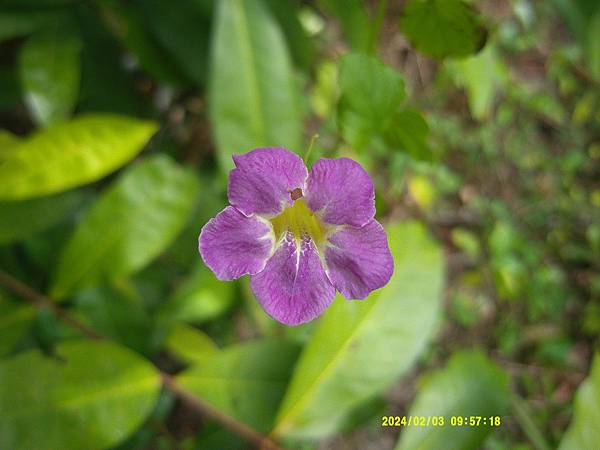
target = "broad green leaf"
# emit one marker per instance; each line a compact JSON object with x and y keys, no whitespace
{"x":190,"y":344}
{"x":245,"y":381}
{"x":24,"y":218}
{"x":50,"y":71}
{"x":103,"y":71}
{"x":470,"y":385}
{"x":408,"y":132}
{"x":90,"y":395}
{"x":15,"y":319}
{"x":70,"y":154}
{"x":183,"y":32}
{"x":371,"y":108}
{"x":201,"y":297}
{"x":482,"y":76}
{"x":360,"y":347}
{"x":16,"y":22}
{"x":353,"y":19}
{"x":301,"y":47}
{"x":371,"y":93}
{"x":443,"y":28}
{"x":127,"y":23}
{"x":583,"y":432}
{"x":117,"y":316}
{"x":130,"y":224}
{"x":254,"y":101}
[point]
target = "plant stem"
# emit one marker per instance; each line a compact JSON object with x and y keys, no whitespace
{"x":310,"y":147}
{"x":42,"y":301}
{"x":523,"y":414}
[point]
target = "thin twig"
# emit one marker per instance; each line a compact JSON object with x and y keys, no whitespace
{"x":241,"y":429}
{"x":42,"y":301}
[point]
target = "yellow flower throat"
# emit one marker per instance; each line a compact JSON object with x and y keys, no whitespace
{"x":300,"y":221}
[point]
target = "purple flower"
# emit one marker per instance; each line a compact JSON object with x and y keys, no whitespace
{"x":299,"y":235}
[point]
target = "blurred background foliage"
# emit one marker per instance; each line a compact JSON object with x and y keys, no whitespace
{"x":480,"y":124}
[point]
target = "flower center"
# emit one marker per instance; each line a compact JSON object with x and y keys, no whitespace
{"x":300,"y":221}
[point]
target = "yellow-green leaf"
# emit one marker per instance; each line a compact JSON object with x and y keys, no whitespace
{"x":70,"y":154}
{"x":129,"y":225}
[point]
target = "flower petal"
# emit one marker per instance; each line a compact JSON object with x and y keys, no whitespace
{"x":359,"y":260}
{"x":293,"y":288}
{"x":342,"y":191}
{"x":232,"y":244}
{"x":263,"y":179}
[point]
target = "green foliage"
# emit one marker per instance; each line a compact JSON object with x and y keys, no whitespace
{"x":183,"y":32}
{"x":200,"y":298}
{"x":493,"y":150}
{"x":371,"y":111}
{"x":443,"y":28}
{"x":583,"y":432}
{"x":246,"y":381}
{"x":136,"y":219}
{"x":89,"y":395}
{"x":350,"y":356}
{"x":50,"y":71}
{"x":15,"y":319}
{"x":255,"y":102}
{"x":111,"y":312}
{"x":21,"y":219}
{"x":190,"y":344}
{"x":353,"y":19}
{"x":470,"y":385}
{"x":70,"y":154}
{"x":15,"y":22}
{"x":482,"y":76}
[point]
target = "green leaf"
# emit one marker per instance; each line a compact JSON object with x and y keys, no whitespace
{"x":200,"y":298}
{"x":16,"y":22}
{"x":91,"y":395}
{"x":353,"y":19}
{"x":583,"y":432}
{"x":470,"y":385}
{"x":301,"y":47}
{"x":183,"y":33}
{"x":245,"y":381}
{"x":15,"y":319}
{"x":371,"y":108}
{"x":483,"y":76}
{"x":360,"y":347}
{"x":103,"y":71}
{"x":130,"y":224}
{"x":371,"y":93}
{"x":70,"y":154}
{"x":50,"y":71}
{"x":443,"y":28}
{"x":254,"y":103}
{"x":593,"y":45}
{"x":190,"y":344}
{"x":116,"y":316}
{"x":408,"y":132}
{"x":22,"y":219}
{"x":127,"y":23}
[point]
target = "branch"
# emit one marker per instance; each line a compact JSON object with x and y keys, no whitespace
{"x":42,"y":301}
